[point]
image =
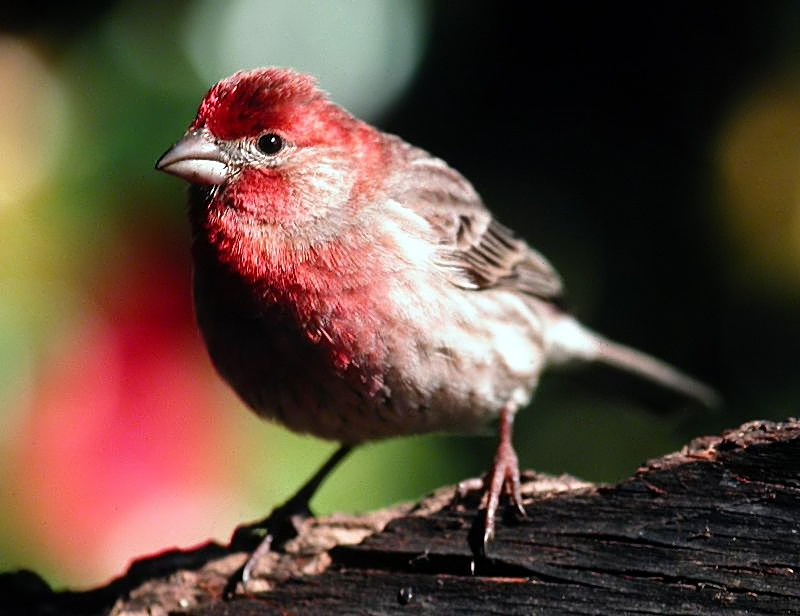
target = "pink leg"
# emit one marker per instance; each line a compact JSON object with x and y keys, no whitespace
{"x":504,"y":474}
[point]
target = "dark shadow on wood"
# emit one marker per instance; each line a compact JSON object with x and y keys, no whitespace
{"x":714,"y":528}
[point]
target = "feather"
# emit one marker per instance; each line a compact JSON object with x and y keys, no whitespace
{"x":476,"y":251}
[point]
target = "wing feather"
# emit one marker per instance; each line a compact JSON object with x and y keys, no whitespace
{"x":477,"y":252}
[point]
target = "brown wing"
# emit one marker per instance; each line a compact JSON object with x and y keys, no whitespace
{"x":477,"y":251}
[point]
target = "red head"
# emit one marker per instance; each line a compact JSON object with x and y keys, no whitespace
{"x":281,"y":172}
{"x":276,"y":148}
{"x":251,"y":103}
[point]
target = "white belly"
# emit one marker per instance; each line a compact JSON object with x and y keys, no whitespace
{"x":463,"y":358}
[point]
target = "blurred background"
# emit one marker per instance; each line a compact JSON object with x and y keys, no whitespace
{"x":651,"y":151}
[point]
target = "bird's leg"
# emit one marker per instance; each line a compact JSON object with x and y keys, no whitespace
{"x":504,"y":475}
{"x":281,"y":525}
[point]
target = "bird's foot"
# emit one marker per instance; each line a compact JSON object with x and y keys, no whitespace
{"x":282,"y":525}
{"x":267,"y":535}
{"x":502,"y":478}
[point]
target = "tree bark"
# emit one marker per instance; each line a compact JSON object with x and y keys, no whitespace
{"x":713,"y":528}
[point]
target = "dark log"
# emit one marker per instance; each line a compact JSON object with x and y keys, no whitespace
{"x":714,"y":528}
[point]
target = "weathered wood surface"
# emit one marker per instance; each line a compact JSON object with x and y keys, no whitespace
{"x":714,"y":528}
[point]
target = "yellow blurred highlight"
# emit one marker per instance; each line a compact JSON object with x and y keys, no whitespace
{"x":32,"y":122}
{"x":33,"y":288}
{"x":759,"y":160}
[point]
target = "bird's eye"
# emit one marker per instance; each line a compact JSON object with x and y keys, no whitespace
{"x":269,"y":143}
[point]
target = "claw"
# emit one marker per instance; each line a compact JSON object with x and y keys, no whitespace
{"x":503,"y":477}
{"x":280,"y":526}
{"x":256,"y":555}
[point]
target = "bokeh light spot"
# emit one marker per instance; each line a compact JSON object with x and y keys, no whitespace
{"x":759,"y":161}
{"x":363,"y":52}
{"x":32,"y":119}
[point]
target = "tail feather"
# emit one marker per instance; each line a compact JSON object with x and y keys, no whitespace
{"x":653,"y":369}
{"x":567,"y":339}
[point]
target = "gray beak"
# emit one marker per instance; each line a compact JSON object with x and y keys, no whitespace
{"x":197,"y":159}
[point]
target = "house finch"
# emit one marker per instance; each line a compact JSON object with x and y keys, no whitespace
{"x":352,"y":286}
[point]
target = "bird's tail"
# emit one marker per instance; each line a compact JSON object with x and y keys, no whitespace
{"x":567,"y":339}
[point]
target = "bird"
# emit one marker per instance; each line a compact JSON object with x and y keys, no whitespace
{"x":352,"y":286}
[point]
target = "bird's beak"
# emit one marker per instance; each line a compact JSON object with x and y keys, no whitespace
{"x":197,"y":159}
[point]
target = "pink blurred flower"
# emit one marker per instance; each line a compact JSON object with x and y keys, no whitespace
{"x":123,"y":450}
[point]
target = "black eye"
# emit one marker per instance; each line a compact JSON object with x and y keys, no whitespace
{"x":270,"y":143}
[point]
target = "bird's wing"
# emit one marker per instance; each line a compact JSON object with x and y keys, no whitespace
{"x":477,"y":252}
